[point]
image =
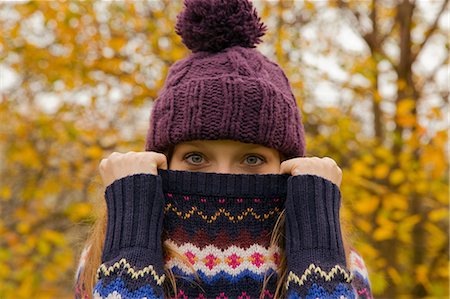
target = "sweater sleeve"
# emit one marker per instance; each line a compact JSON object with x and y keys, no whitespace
{"x":132,"y":260}
{"x":316,"y":264}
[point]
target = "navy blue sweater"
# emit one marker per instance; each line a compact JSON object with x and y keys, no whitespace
{"x":222,"y":225}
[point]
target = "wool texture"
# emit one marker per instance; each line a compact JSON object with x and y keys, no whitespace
{"x":222,"y":224}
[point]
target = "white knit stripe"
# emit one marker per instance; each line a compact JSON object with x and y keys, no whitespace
{"x":200,"y":258}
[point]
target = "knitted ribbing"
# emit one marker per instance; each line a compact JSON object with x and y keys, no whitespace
{"x":314,"y":246}
{"x":133,"y":236}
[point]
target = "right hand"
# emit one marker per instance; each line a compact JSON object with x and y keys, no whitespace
{"x":119,"y":165}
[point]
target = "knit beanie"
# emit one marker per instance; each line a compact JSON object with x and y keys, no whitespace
{"x":225,"y":88}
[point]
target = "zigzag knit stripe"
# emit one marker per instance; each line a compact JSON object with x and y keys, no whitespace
{"x":316,"y":273}
{"x":243,"y":238}
{"x":132,"y":277}
{"x":211,"y":260}
{"x":222,"y":213}
{"x":335,"y":281}
{"x":117,"y":289}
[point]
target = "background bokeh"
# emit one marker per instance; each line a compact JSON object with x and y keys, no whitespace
{"x":77,"y":81}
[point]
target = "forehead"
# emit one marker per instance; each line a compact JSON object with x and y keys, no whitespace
{"x":222,"y":143}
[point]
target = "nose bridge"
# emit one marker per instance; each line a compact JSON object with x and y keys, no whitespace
{"x":224,"y":166}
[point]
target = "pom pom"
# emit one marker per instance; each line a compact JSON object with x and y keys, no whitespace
{"x":213,"y":25}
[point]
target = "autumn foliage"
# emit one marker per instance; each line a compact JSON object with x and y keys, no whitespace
{"x":78,"y":80}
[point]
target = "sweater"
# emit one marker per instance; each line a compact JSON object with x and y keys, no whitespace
{"x":222,"y":224}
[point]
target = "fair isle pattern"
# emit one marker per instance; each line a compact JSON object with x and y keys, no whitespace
{"x":117,"y":290}
{"x":233,"y":218}
{"x":226,"y":240}
{"x":123,"y":263}
{"x":361,"y":276}
{"x":357,"y":265}
{"x":233,"y":261}
{"x":327,"y":275}
{"x":113,"y":295}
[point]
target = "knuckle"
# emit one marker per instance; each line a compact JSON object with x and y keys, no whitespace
{"x":114,"y":155}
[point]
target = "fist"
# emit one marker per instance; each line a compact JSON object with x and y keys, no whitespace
{"x":323,"y":167}
{"x":119,"y":165}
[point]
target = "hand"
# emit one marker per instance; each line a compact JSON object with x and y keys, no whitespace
{"x":323,"y":167}
{"x":119,"y":165}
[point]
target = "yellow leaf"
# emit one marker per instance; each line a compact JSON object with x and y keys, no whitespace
{"x":439,"y":235}
{"x":404,"y":115}
{"x":406,"y":121}
{"x":439,"y":214}
{"x":401,"y":84}
{"x":94,"y":152}
{"x":5,"y":193}
{"x":364,"y":225}
{"x":43,"y":247}
{"x":422,"y":274}
{"x":395,"y":201}
{"x":366,"y":205}
{"x":54,"y":237}
{"x":79,"y":210}
{"x":393,"y":273}
{"x":385,"y":229}
{"x":368,"y":251}
{"x":421,"y":186}
{"x":397,"y":176}
{"x":50,"y":273}
{"x":383,"y":233}
{"x":384,"y":155}
{"x":405,"y":106}
{"x":5,"y":271}
{"x":361,"y":169}
{"x":309,"y":5}
{"x":405,"y":226}
{"x":381,"y":171}
{"x":23,"y":228}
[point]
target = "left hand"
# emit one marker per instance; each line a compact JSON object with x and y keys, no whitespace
{"x":324,"y":167}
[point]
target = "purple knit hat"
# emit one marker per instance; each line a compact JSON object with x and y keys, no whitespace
{"x":225,"y":89}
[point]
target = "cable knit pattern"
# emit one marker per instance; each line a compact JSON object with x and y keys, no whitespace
{"x":226,"y":240}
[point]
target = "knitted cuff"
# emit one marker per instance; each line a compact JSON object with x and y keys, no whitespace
{"x":313,"y":233}
{"x":135,"y":217}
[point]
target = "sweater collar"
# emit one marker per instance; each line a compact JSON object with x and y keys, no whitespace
{"x":223,"y":184}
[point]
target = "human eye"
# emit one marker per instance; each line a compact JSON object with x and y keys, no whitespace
{"x":194,"y":158}
{"x":254,"y":160}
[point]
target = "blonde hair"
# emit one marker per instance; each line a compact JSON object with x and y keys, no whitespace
{"x":96,"y":239}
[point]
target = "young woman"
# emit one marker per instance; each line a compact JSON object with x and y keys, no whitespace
{"x":223,"y":202}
